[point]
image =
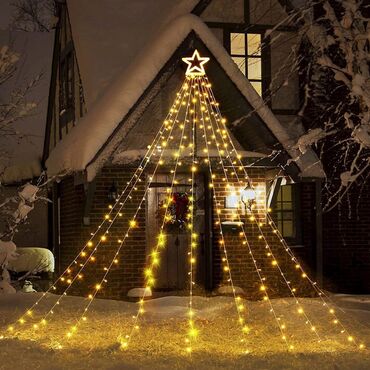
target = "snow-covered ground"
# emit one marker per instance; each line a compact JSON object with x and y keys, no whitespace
{"x":160,"y":341}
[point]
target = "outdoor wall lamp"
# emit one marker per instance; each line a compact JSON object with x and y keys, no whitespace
{"x":248,"y":197}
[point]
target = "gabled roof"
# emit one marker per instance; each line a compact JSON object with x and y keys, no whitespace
{"x":80,"y":147}
{"x":109,"y":34}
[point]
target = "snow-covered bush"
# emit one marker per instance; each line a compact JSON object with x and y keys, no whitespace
{"x":7,"y":254}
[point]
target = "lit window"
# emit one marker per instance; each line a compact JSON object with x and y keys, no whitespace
{"x":284,"y":211}
{"x":245,"y":50}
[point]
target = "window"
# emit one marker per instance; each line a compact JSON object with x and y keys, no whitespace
{"x":285,"y":212}
{"x":245,"y":50}
{"x":66,"y":87}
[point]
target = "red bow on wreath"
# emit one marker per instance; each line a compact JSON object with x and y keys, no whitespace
{"x":181,"y":203}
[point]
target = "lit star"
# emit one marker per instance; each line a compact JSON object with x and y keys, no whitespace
{"x":195,"y":64}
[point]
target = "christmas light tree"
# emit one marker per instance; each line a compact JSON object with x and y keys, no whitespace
{"x":193,"y":136}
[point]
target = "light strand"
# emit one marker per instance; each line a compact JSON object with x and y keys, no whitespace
{"x":237,"y":299}
{"x":300,"y":309}
{"x":275,"y":230}
{"x":246,"y":242}
{"x":152,"y":148}
{"x":192,"y":330}
{"x":149,"y":279}
{"x":132,"y":225}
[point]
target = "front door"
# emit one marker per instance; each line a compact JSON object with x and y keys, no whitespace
{"x":172,"y":273}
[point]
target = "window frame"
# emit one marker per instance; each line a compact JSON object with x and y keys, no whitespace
{"x":296,"y":239}
{"x":264,"y":56}
{"x":66,"y":86}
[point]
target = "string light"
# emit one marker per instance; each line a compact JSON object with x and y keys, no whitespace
{"x":253,"y":218}
{"x":192,"y":330}
{"x":202,"y":98}
{"x":258,"y":270}
{"x":154,"y":256}
{"x":241,"y":319}
{"x":275,"y":231}
{"x":135,"y":178}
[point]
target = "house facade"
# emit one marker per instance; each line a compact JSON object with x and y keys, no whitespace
{"x":116,"y":70}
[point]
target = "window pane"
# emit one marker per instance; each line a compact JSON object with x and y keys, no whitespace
{"x":287,"y":205}
{"x":240,"y":61}
{"x":288,"y":216}
{"x":288,"y":228}
{"x":254,"y":44}
{"x":254,"y":69}
{"x":237,"y":43}
{"x":287,"y":193}
{"x":257,"y":86}
{"x":279,"y":195}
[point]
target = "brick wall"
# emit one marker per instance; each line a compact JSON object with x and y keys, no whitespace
{"x":242,"y":268}
{"x":129,"y":272}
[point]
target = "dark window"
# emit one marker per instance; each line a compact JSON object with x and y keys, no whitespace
{"x":245,"y":50}
{"x":66,"y":87}
{"x":286,"y":213}
{"x":81,"y":98}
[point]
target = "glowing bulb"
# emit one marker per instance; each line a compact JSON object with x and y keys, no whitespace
{"x":133,"y":223}
{"x":193,"y":332}
{"x":246,"y":329}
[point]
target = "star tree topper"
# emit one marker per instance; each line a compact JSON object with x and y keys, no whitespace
{"x":195,"y":64}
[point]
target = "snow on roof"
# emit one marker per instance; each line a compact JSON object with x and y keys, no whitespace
{"x":22,"y":160}
{"x":108,"y":35}
{"x":80,"y":146}
{"x":132,"y":155}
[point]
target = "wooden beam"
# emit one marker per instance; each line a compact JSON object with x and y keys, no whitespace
{"x":319,"y":239}
{"x":208,"y":234}
{"x":90,"y":192}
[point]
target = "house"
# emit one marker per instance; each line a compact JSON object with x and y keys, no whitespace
{"x":117,"y":67}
